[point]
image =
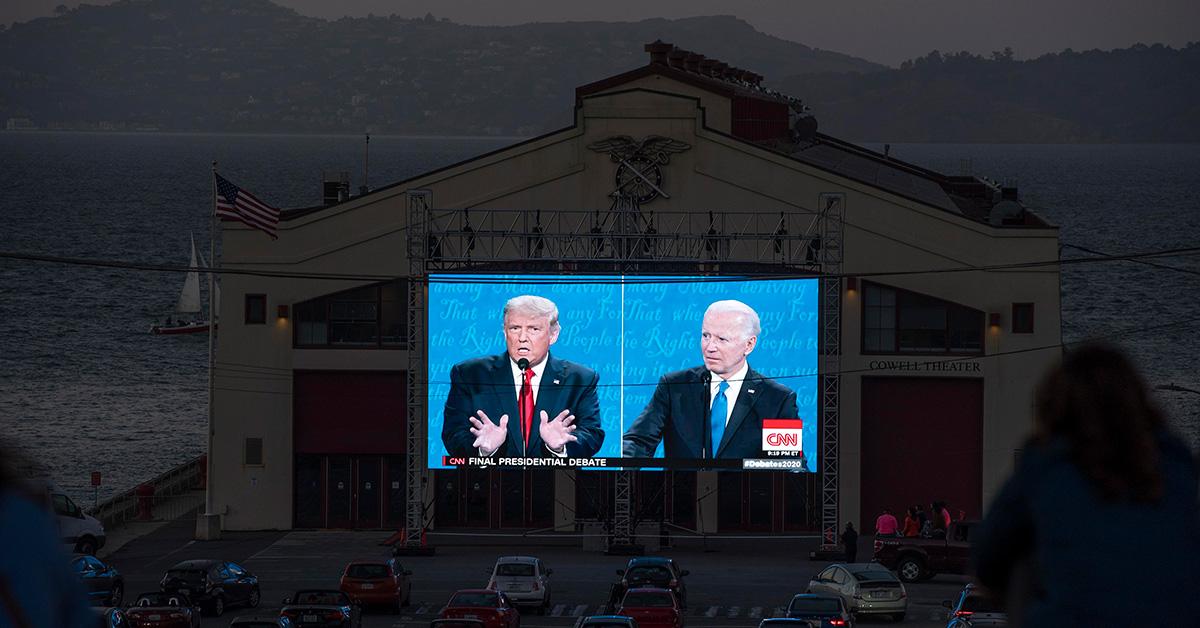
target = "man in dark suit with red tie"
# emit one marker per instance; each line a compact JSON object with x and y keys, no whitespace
{"x":524,"y":402}
{"x":715,"y":410}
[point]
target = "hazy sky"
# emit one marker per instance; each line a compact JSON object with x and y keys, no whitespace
{"x":886,"y":31}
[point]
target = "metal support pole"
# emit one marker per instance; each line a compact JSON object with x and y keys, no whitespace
{"x":832,"y":207}
{"x":413,"y":539}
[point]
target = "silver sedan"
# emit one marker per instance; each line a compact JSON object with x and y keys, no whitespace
{"x":866,"y":588}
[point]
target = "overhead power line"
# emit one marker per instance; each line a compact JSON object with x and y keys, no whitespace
{"x":568,"y":279}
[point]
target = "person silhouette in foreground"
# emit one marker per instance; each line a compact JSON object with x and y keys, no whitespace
{"x":37,"y":587}
{"x":1098,"y":524}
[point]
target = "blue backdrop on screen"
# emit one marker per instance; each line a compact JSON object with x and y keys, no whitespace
{"x":630,"y":334}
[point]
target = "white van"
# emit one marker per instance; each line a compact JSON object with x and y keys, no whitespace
{"x":80,"y":532}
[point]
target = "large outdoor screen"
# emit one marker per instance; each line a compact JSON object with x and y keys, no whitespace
{"x":622,"y":372}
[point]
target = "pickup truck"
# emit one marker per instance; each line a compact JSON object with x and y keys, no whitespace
{"x":917,"y":558}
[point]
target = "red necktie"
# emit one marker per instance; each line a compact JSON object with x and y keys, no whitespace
{"x":525,"y":404}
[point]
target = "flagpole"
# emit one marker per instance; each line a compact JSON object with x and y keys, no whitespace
{"x":209,"y":526}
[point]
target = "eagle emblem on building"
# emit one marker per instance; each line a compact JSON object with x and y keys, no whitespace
{"x":639,"y":175}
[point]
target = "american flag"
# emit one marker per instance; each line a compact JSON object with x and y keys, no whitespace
{"x":238,"y":204}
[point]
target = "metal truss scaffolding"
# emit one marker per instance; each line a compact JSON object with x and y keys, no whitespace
{"x":623,"y":238}
{"x":419,"y":202}
{"x":832,"y":207}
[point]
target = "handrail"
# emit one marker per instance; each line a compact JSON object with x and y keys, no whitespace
{"x":124,"y":506}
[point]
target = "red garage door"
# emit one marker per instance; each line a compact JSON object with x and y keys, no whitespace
{"x":922,"y":440}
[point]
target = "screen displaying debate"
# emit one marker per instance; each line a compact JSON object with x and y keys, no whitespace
{"x":633,"y":372}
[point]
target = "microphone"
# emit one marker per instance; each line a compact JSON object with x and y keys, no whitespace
{"x":523,"y":363}
{"x":707,"y":447}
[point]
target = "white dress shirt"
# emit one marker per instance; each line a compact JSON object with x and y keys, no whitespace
{"x":535,"y":384}
{"x":731,"y":394}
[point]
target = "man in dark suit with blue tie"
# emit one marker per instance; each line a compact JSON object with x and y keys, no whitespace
{"x":523,"y":402}
{"x":714,"y":410}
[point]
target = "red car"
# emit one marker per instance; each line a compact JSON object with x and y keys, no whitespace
{"x":163,"y":610}
{"x":371,"y":582}
{"x":491,"y":607}
{"x":652,"y":608}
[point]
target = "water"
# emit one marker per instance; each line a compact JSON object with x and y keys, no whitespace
{"x":84,"y":387}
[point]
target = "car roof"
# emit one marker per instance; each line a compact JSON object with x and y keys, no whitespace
{"x":367,"y":562}
{"x":599,"y":618}
{"x":196,"y":563}
{"x":274,"y":619}
{"x":785,"y":620}
{"x":650,"y":560}
{"x":516,"y":559}
{"x":476,"y":591}
{"x":861,"y":567}
{"x":810,"y":596}
{"x":649,"y":590}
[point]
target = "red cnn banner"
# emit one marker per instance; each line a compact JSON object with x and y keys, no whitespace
{"x":782,"y":435}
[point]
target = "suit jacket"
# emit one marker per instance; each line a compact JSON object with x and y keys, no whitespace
{"x":678,"y":413}
{"x":486,"y":384}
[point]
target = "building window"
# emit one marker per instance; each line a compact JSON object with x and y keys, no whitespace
{"x":1022,"y":318}
{"x":253,"y":452}
{"x":899,"y":321}
{"x":256,"y":309}
{"x":374,"y":316}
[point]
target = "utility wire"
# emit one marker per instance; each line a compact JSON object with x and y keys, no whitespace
{"x":569,"y":280}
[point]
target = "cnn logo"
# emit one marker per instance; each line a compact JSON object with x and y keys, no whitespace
{"x":782,"y":435}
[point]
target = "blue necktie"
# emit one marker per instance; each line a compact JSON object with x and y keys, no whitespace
{"x":720,"y":410}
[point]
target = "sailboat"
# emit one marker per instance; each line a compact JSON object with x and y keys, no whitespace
{"x":188,"y":307}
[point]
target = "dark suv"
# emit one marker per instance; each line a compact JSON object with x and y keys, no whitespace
{"x":651,"y":571}
{"x":213,"y":584}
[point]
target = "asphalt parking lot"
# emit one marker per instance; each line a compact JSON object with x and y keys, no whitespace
{"x":733,"y":582}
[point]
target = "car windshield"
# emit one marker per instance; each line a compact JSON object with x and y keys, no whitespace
{"x":186,"y":575}
{"x":321,"y":598}
{"x":649,"y":573}
{"x":866,"y":576}
{"x":604,"y":624}
{"x":514,"y":569}
{"x":814,"y":605}
{"x":161,"y":599}
{"x":367,"y":571}
{"x":640,"y":599}
{"x":475,"y":599}
{"x":976,"y":603}
{"x":455,"y":623}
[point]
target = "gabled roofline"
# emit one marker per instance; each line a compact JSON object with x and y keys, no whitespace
{"x":299,"y":212}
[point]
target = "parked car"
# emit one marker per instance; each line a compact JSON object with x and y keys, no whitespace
{"x":104,"y":584}
{"x":652,"y":607}
{"x":975,"y":607}
{"x":321,"y":607}
{"x":865,"y":588}
{"x":456,"y":623}
{"x":80,"y":532}
{"x":787,"y":622}
{"x":524,"y":579}
{"x":606,"y":621}
{"x":163,"y":610}
{"x":262,"y":621}
{"x":825,"y":610}
{"x":652,"y":571}
{"x":111,"y":617}
{"x":493,"y":608}
{"x":213,"y":584}
{"x":374,"y":582}
{"x":917,"y":558}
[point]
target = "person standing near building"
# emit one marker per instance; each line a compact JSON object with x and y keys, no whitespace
{"x":885,"y":524}
{"x":1101,"y":509}
{"x":850,"y":542}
